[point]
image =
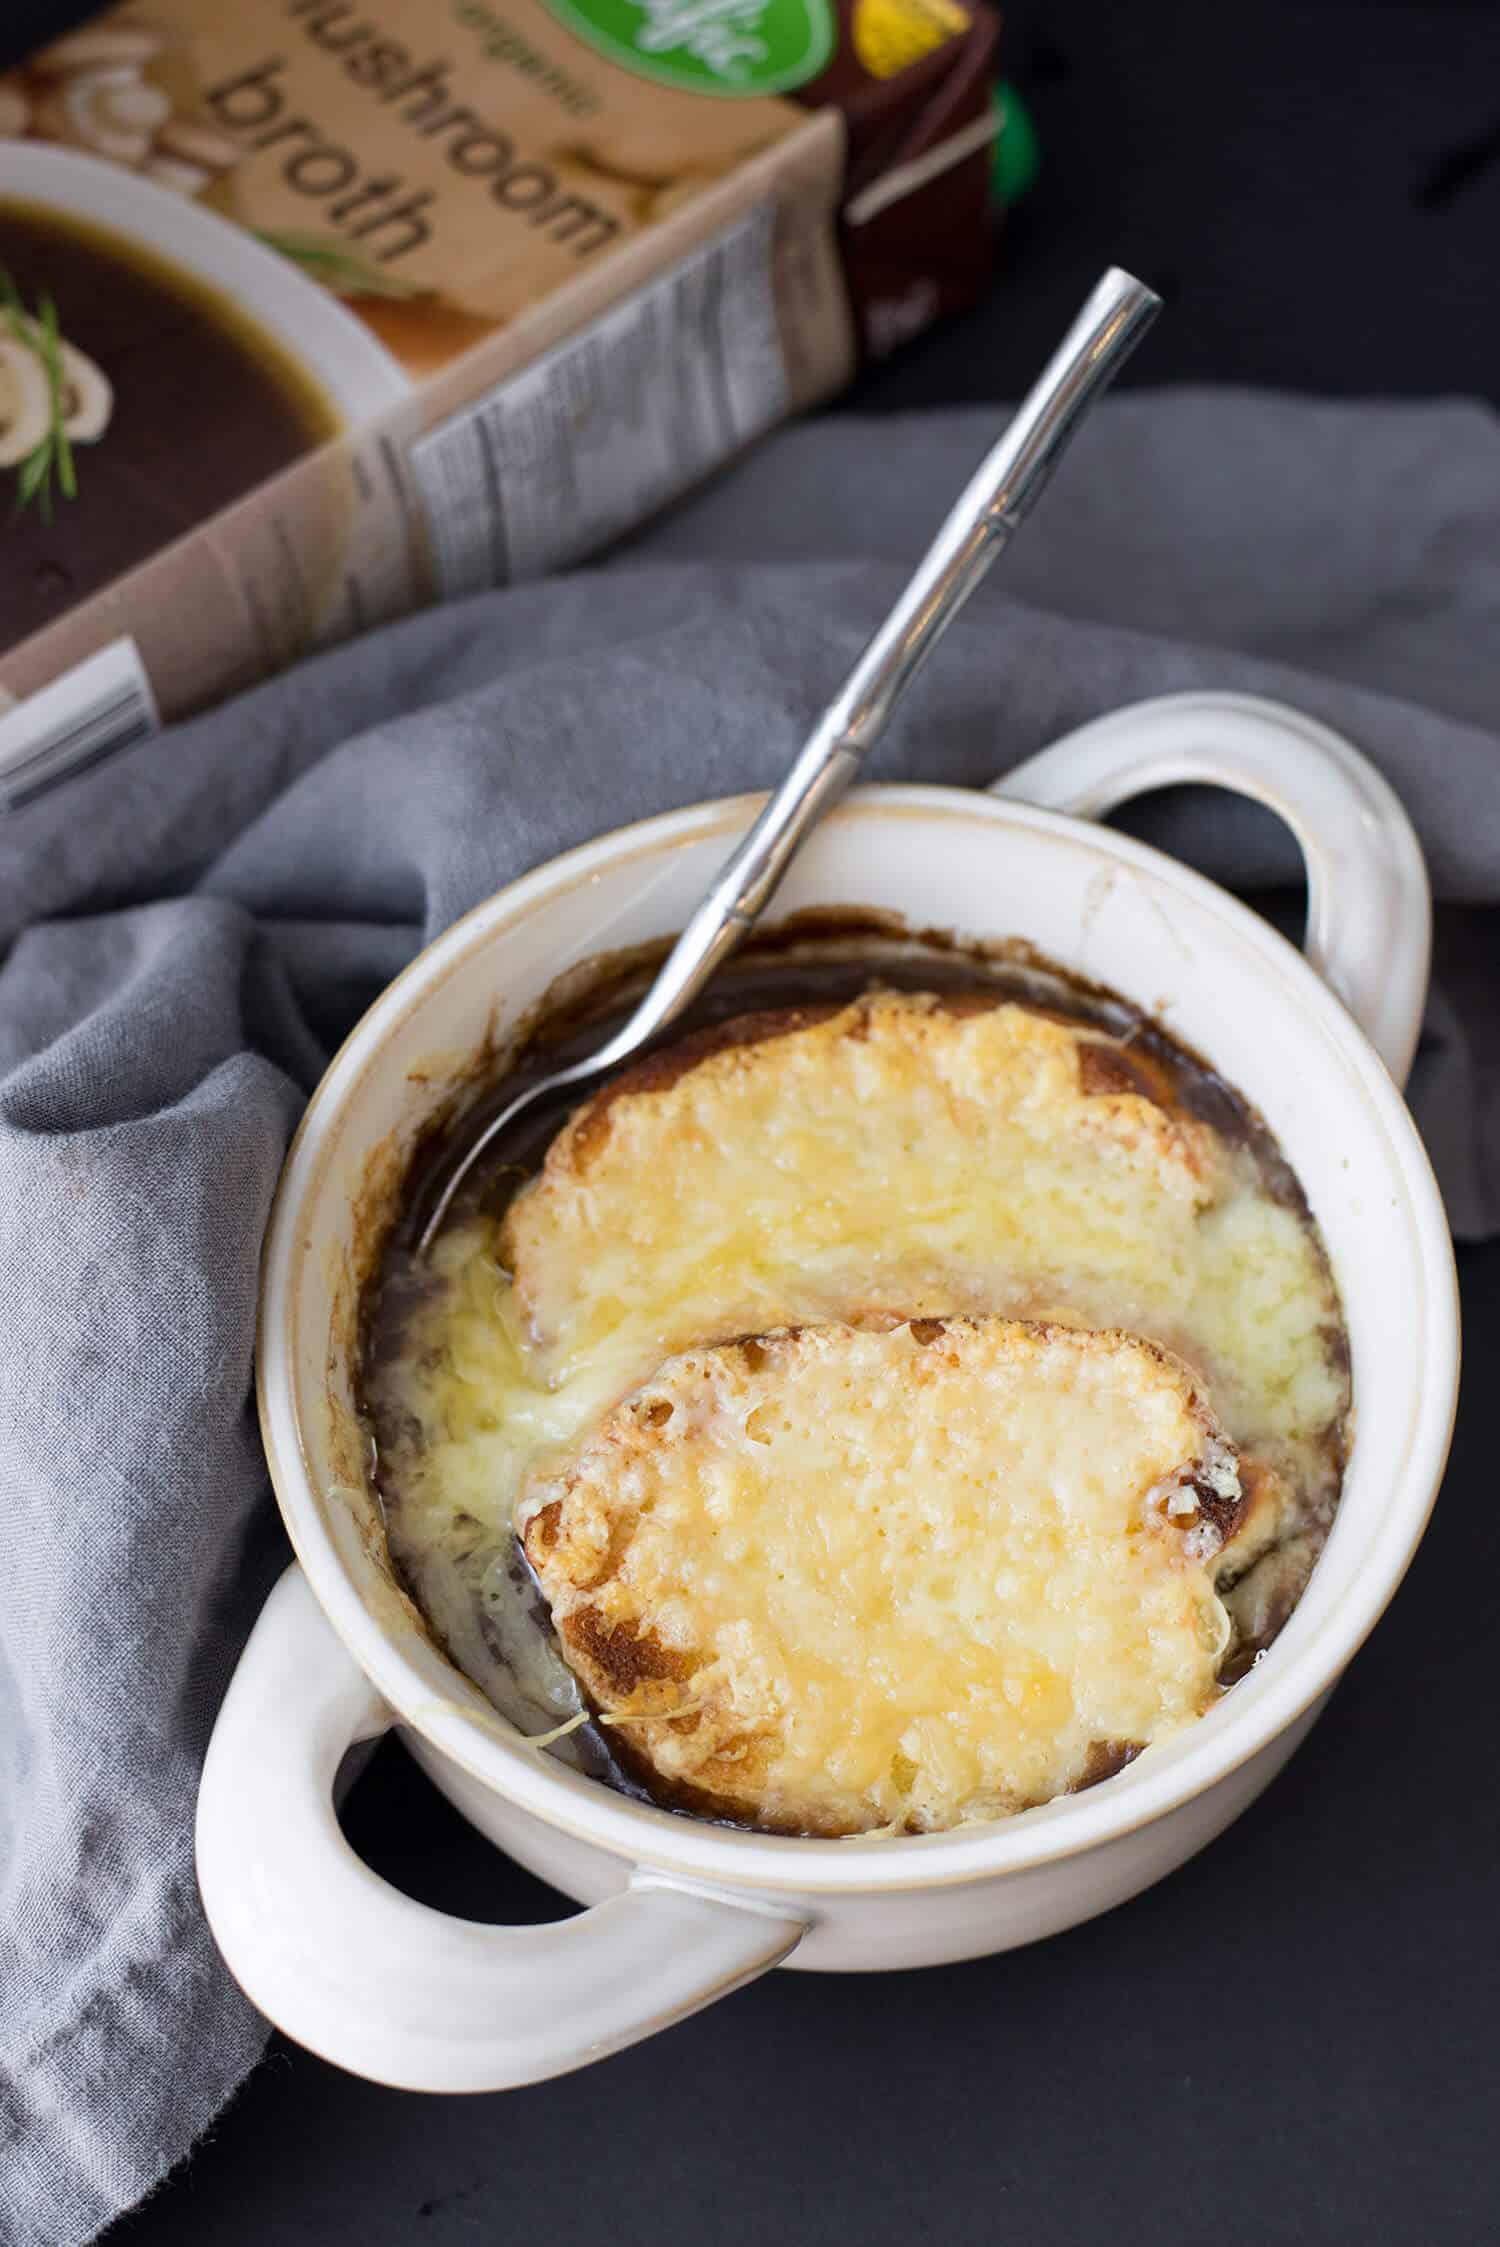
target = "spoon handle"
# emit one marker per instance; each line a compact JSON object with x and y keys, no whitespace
{"x":993,"y":504}
{"x":996,"y":500}
{"x":999,"y":496}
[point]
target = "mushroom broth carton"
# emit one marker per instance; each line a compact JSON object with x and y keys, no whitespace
{"x":314,"y":311}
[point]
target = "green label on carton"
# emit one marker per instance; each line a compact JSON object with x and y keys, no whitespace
{"x":708,"y":46}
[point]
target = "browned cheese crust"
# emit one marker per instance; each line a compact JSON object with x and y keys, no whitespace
{"x":830,"y":1580}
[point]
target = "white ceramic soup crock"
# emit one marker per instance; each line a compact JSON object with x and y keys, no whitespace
{"x":681,"y":1911}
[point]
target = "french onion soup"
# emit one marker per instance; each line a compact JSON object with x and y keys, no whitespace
{"x":901,"y":1399}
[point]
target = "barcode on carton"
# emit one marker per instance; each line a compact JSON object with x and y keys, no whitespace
{"x":101,"y":706}
{"x":574,"y":450}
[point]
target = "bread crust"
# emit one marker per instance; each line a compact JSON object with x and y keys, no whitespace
{"x":827,"y":1580}
{"x":724,"y":1141}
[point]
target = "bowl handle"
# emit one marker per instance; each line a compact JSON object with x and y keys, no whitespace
{"x":1369,"y":909}
{"x":381,"y":1985}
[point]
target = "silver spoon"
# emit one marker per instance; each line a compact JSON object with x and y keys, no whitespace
{"x":995,"y":502}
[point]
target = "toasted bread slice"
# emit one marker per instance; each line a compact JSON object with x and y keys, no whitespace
{"x":906,"y":1155}
{"x":832,"y":1580}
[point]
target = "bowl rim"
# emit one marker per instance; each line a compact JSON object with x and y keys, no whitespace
{"x":724,"y":1858}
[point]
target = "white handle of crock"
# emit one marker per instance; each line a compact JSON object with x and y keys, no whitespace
{"x":383,"y":1986}
{"x":1369,"y":908}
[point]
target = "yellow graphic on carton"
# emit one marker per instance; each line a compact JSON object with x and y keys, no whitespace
{"x":891,"y":34}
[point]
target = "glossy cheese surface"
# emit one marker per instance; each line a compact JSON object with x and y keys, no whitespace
{"x":902,"y":1157}
{"x":834,"y":1580}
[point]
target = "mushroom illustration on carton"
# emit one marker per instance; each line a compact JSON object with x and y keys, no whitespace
{"x":90,"y":90}
{"x":50,"y":391}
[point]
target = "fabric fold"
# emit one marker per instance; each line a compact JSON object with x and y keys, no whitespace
{"x":188,"y":931}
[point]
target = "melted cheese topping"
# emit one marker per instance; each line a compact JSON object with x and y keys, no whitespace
{"x":898,"y":1160}
{"x":880,"y":1159}
{"x":838,"y":1580}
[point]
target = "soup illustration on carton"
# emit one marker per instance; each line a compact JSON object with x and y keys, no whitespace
{"x":134,"y":403}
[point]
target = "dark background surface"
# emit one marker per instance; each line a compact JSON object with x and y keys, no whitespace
{"x":1292,"y":2040}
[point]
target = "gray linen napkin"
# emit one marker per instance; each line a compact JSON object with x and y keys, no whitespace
{"x":188,"y":930}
